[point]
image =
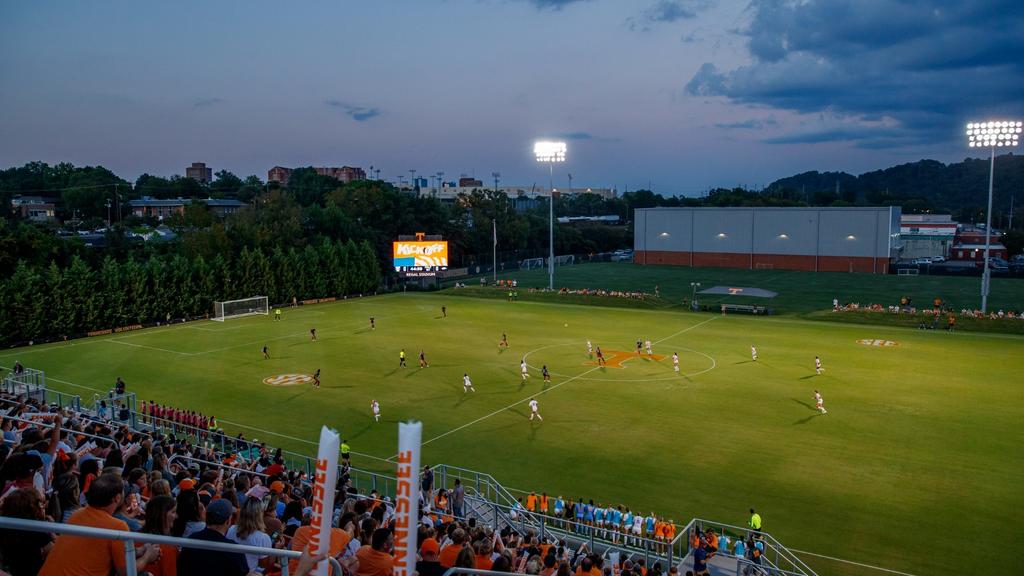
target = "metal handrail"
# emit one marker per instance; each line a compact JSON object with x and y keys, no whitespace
{"x":770,"y":541}
{"x":217,"y":464}
{"x":130,"y":538}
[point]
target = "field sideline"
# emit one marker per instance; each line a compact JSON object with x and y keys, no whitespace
{"x":917,"y":460}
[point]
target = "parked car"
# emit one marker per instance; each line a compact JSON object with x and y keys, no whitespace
{"x":622,"y":256}
{"x":938,"y":259}
{"x":923,"y":261}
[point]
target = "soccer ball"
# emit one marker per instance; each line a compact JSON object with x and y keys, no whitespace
{"x":566,"y":325}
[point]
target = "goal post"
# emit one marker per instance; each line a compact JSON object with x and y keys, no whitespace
{"x":238,"y":308}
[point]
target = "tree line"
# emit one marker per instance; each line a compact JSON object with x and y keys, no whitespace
{"x":53,"y":302}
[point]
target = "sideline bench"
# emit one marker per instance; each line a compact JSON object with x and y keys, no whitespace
{"x":745,"y":308}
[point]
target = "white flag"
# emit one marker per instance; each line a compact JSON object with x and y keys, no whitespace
{"x":407,"y":495}
{"x":325,"y":482}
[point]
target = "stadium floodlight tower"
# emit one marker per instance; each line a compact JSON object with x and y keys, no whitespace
{"x":993,"y":134}
{"x":550,"y":152}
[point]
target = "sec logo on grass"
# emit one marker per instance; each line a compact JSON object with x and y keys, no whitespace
{"x":288,"y":380}
{"x":873,"y":342}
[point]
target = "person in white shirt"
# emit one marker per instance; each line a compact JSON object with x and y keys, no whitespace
{"x":753,"y":353}
{"x":376,"y":410}
{"x":590,"y":348}
{"x":533,"y":410}
{"x":820,"y":402}
{"x":467,"y":386}
{"x":647,"y":345}
{"x":675,"y":362}
{"x":817,"y":365}
{"x":524,"y":369}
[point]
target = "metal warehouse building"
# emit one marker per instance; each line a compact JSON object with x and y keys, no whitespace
{"x":813,"y":239}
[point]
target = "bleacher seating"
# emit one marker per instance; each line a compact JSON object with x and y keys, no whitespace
{"x":63,"y":449}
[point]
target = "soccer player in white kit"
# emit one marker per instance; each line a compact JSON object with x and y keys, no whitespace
{"x":467,"y":386}
{"x":638,"y":523}
{"x":524,"y":370}
{"x":817,"y":365}
{"x":753,"y":353}
{"x":590,"y":348}
{"x":675,"y":362}
{"x":376,"y":411}
{"x":820,"y":402}
{"x":533,"y":410}
{"x":647,"y":345}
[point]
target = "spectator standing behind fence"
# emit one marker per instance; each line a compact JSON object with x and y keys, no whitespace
{"x":458,"y":498}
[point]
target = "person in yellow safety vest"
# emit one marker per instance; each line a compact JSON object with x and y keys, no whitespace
{"x":213,"y":424}
{"x":755,"y":522}
{"x":346,"y":450}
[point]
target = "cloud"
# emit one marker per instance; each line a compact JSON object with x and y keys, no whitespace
{"x":357,"y":113}
{"x":926,"y":65}
{"x":554,"y":4}
{"x":751,"y":124}
{"x":575,"y":136}
{"x":202,"y":102}
{"x":664,"y":11}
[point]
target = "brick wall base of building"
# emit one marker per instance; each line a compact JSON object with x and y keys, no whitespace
{"x":764,"y":261}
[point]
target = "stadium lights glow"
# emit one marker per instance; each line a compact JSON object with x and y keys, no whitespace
{"x":721,"y":234}
{"x":783,"y":236}
{"x":664,"y":235}
{"x":549,"y":151}
{"x":993,"y":134}
{"x":851,"y":237}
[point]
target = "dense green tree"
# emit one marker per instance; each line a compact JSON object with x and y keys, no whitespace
{"x":225,"y":185}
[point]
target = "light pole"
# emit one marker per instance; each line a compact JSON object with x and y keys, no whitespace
{"x":994,"y":134}
{"x":108,"y":213}
{"x":550,"y":152}
{"x":693,"y":294}
{"x":496,"y":175}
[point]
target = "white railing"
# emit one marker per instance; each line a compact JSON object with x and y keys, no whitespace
{"x":130,"y":539}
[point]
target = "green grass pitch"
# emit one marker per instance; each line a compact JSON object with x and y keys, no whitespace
{"x":916,"y":467}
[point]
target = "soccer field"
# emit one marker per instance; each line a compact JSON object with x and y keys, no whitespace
{"x":916,"y":467}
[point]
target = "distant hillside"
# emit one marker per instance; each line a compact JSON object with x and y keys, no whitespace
{"x":960,"y":188}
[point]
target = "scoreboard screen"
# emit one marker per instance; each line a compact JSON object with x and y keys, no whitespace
{"x":420,"y":258}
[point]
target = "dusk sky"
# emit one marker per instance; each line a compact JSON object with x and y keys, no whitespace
{"x":684,"y":94}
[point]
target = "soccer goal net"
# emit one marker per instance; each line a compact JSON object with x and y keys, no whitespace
{"x":238,"y":308}
{"x":532,"y":263}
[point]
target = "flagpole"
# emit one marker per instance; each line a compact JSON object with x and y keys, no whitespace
{"x":495,"y":226}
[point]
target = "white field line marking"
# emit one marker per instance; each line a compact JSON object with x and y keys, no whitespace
{"x":306,"y":333}
{"x":580,"y":375}
{"x":115,"y":341}
{"x":851,"y":562}
{"x":261,"y":430}
{"x":500,"y":410}
{"x":50,"y":346}
{"x":272,"y":433}
{"x":684,"y":330}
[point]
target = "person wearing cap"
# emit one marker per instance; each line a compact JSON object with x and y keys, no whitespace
{"x":429,"y":565}
{"x":197,"y":562}
{"x":79,"y":555}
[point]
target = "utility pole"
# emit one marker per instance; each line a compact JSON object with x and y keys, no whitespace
{"x":1010,"y":225}
{"x":412,"y":179}
{"x":570,"y":183}
{"x":496,"y":175}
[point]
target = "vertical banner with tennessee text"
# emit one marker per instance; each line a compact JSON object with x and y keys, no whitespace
{"x":325,"y":483}
{"x":407,"y":497}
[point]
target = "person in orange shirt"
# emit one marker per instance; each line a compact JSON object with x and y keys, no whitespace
{"x":670,"y":531}
{"x":376,"y":558}
{"x":160,"y":515}
{"x":711,"y":540}
{"x":531,"y":502}
{"x":339,"y":540}
{"x":544,"y":503}
{"x":451,"y":552}
{"x":484,"y":549}
{"x":74,"y":555}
